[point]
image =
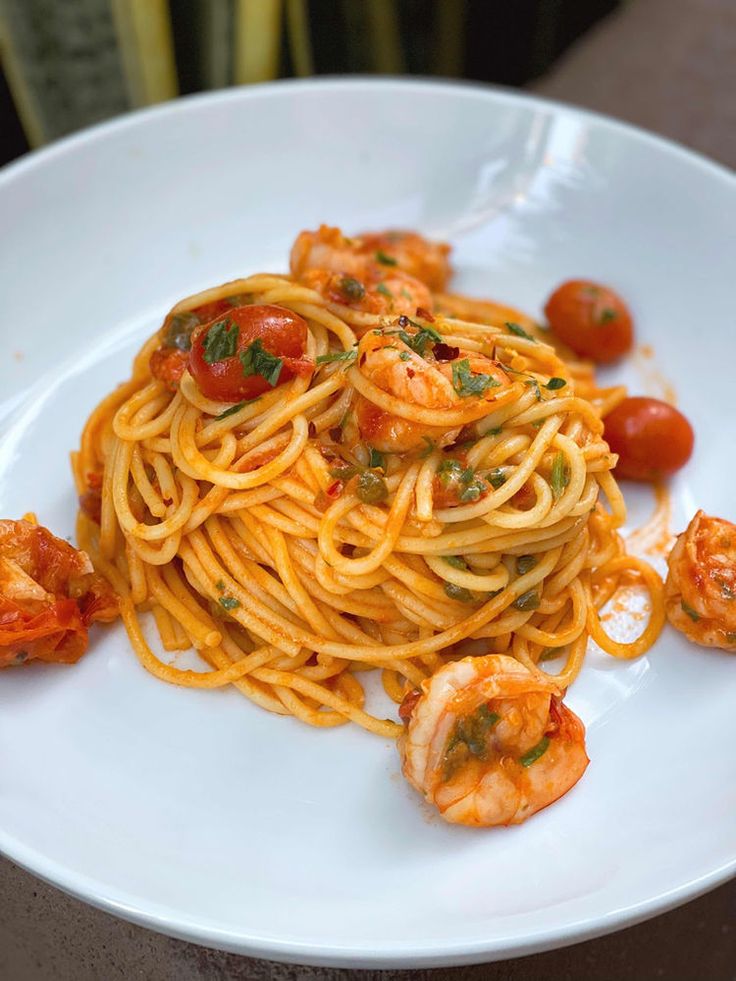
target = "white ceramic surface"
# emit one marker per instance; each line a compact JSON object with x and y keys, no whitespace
{"x":198,"y":814}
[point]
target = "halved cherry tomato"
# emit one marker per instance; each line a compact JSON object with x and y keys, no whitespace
{"x":591,"y":319}
{"x":652,"y":438}
{"x":281,"y":333}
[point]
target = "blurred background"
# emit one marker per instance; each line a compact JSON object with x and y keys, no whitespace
{"x":668,"y":65}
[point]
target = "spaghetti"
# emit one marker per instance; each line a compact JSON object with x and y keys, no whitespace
{"x":400,"y":490}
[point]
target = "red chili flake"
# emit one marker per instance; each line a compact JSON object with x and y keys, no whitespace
{"x":335,"y":489}
{"x":361,"y":360}
{"x":410,"y":372}
{"x":445,"y":352}
{"x":409,"y":704}
{"x":424,"y":315}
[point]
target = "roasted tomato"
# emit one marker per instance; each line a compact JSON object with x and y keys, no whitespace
{"x":249,"y":351}
{"x":591,"y":319}
{"x":652,"y":438}
{"x":49,"y":595}
{"x":169,"y":362}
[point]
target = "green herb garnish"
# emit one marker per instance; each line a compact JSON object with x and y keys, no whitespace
{"x":693,"y":614}
{"x":337,"y":356}
{"x":459,"y":593}
{"x":535,"y":752}
{"x":382,"y":288}
{"x":236,"y":408}
{"x":352,"y":288}
{"x":554,"y":383}
{"x":220,"y":586}
{"x":344,"y":471}
{"x":385,"y":260}
{"x":229,"y":603}
{"x":404,"y":356}
{"x":469,"y":735}
{"x":456,"y":562}
{"x":560,"y":476}
{"x":607,"y":315}
{"x":473,"y":491}
{"x":527,"y":601}
{"x":525,"y":563}
{"x":376,"y":459}
{"x":466,"y":383}
{"x":496,"y":478}
{"x":428,"y":449}
{"x":519,"y":331}
{"x":372,"y":489}
{"x":256,"y":360}
{"x":221,"y":341}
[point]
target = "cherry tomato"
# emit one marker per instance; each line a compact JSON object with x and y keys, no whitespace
{"x":591,"y":319}
{"x":281,"y":333}
{"x":652,"y":438}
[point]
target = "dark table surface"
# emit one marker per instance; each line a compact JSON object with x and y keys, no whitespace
{"x":667,"y":65}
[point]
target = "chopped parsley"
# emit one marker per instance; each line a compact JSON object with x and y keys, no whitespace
{"x":220,"y":586}
{"x":376,"y":459}
{"x":456,"y":561}
{"x":607,"y":315}
{"x":467,"y":384}
{"x":428,"y":449}
{"x":535,"y":752}
{"x":256,"y":360}
{"x":473,"y":491}
{"x":404,"y":356}
{"x":229,"y":603}
{"x":417,"y":342}
{"x":236,"y":408}
{"x":382,"y":288}
{"x":693,"y":614}
{"x":554,"y":383}
{"x":221,"y":341}
{"x":519,"y":331}
{"x":337,"y":356}
{"x":560,"y":476}
{"x":385,"y":260}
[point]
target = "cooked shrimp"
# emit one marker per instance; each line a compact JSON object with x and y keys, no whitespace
{"x":328,"y":248}
{"x":424,"y":260}
{"x":49,"y":594}
{"x":700,"y":590}
{"x":344,"y":271}
{"x":377,"y":291}
{"x":488,"y":742}
{"x":395,"y":367}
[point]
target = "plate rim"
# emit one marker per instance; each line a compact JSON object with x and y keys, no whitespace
{"x":443,"y":953}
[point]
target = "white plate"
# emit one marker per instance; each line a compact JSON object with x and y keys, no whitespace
{"x":200,"y":815}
